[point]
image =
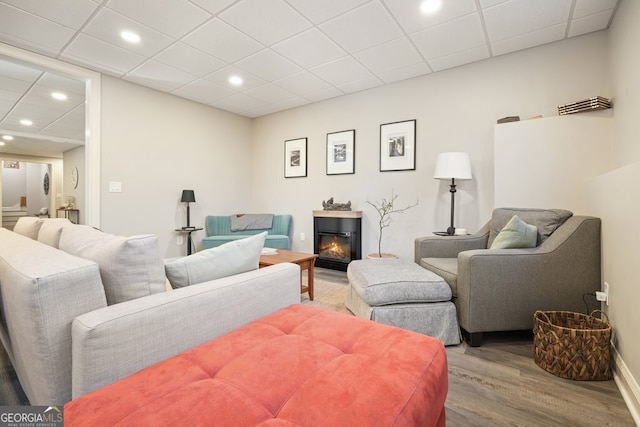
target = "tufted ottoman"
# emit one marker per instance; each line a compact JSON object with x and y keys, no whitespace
{"x":300,"y":366}
{"x":403,"y":294}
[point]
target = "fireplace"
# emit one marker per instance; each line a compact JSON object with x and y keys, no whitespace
{"x":337,"y":238}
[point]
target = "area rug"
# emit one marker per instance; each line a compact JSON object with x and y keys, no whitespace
{"x":330,"y":290}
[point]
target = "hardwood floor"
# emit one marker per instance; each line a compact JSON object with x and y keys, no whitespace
{"x":499,"y":384}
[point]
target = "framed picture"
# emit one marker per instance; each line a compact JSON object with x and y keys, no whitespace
{"x":11,"y":164}
{"x":398,"y":146}
{"x":341,"y":152}
{"x":295,"y":158}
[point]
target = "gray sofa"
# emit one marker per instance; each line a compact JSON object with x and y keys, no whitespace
{"x":74,"y":322}
{"x":500,"y":289}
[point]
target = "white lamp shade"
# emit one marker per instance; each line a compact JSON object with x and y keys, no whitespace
{"x":453,"y":165}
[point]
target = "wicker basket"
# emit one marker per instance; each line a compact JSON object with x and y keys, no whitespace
{"x":572,"y":345}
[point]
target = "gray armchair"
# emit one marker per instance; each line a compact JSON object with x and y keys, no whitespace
{"x":500,"y":289}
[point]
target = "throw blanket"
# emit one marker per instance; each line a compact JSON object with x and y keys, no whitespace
{"x":241,"y":222}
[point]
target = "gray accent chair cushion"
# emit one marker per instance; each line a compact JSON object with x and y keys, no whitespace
{"x":130,"y":267}
{"x":500,"y":289}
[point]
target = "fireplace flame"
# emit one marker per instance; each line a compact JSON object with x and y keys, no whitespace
{"x":334,"y":249}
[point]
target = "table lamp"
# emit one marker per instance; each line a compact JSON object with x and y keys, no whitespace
{"x":188,"y":196}
{"x":452,"y":166}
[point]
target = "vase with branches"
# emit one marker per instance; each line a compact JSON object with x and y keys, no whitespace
{"x":386,"y":208}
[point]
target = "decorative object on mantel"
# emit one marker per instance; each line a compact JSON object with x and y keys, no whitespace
{"x":595,"y":103}
{"x":385,"y":209}
{"x":452,"y":166}
{"x":329,"y":205}
{"x":509,"y":119}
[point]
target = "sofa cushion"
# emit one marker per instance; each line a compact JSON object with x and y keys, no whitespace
{"x":51,"y":229}
{"x":130,"y":267}
{"x":299,"y":366}
{"x":28,"y":226}
{"x":228,"y":259}
{"x":546,"y":220}
{"x":447,"y":268}
{"x":515,"y":235}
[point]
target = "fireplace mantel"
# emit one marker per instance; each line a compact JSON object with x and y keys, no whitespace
{"x":338,"y":214}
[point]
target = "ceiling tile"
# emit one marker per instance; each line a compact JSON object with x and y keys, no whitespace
{"x":488,"y":3}
{"x":451,"y":37}
{"x":31,"y":32}
{"x":175,"y":18}
{"x":98,"y":55}
{"x":268,"y":65}
{"x":323,"y":94}
{"x":74,"y":89}
{"x":362,"y":28}
{"x":589,"y":7}
{"x":320,"y":11}
{"x":267,"y":21}
{"x":309,"y":49}
{"x":70,"y":13}
{"x":397,"y":53}
{"x":269,"y":93}
{"x":341,"y":71}
{"x":411,"y":19}
{"x":213,"y":6}
{"x":459,"y":58}
{"x":189,"y":59}
{"x":358,"y":85}
{"x":221,"y":77}
{"x":303,"y":83}
{"x":588,"y":24}
{"x":528,"y":40}
{"x":70,"y":125}
{"x":203,"y":91}
{"x":404,"y":73}
{"x":518,"y":17}
{"x":219,"y":39}
{"x":238,"y":102}
{"x":107,"y":25}
{"x":159,"y":76}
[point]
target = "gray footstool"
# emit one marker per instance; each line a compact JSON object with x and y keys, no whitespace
{"x":403,"y":294}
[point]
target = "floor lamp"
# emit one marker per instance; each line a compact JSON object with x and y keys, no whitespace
{"x":452,"y":166}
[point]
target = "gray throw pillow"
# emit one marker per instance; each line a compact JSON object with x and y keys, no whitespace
{"x":516,"y":234}
{"x":225,"y":260}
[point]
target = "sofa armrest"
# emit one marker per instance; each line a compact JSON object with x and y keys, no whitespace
{"x":500,"y":289}
{"x":111,"y":343}
{"x":449,"y":246}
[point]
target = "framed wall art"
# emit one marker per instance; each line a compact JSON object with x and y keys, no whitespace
{"x":9,"y":164}
{"x":341,"y":152}
{"x":295,"y":158}
{"x":398,"y":146}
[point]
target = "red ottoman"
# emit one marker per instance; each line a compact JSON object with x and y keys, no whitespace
{"x":300,"y":366}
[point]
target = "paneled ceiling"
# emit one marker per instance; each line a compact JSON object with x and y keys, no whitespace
{"x":288,"y":53}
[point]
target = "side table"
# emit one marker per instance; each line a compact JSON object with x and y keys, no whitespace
{"x":72,"y":215}
{"x":189,"y":230}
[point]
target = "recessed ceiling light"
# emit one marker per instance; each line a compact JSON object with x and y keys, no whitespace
{"x":130,"y":36}
{"x":7,"y":137}
{"x":1,"y":143}
{"x":430,"y":6}
{"x":26,"y":122}
{"x":235,"y":80}
{"x":59,"y":96}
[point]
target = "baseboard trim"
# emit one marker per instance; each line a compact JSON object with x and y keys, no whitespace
{"x":627,"y":385}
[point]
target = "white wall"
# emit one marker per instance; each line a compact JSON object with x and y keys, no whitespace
{"x":156,"y":145}
{"x":75,"y":159}
{"x":455,"y":110}
{"x":615,"y":199}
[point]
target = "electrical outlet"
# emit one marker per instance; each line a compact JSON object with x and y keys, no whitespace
{"x":179,"y":240}
{"x":302,"y":236}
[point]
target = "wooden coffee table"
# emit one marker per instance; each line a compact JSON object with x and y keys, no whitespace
{"x":305,"y":261}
